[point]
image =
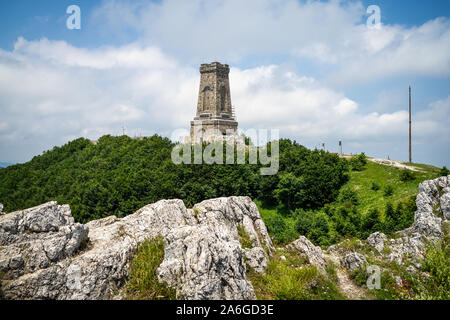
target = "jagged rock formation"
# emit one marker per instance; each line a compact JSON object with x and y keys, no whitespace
{"x":45,"y":255}
{"x":433,"y":196}
{"x":310,"y":251}
{"x":353,"y":261}
{"x":377,"y":240}
{"x":33,"y":239}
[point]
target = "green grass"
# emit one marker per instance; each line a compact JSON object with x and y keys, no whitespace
{"x":143,"y":282}
{"x":291,"y":279}
{"x":381,"y":175}
{"x":289,"y":234}
{"x":244,"y":238}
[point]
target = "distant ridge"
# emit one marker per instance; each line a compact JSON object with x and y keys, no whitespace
{"x":5,"y":164}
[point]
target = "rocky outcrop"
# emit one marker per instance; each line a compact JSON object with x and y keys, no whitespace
{"x":377,"y":240}
{"x":34,"y":239}
{"x":203,"y":256}
{"x":212,"y":265}
{"x":353,"y":261}
{"x":428,"y":203}
{"x":1,"y":208}
{"x":410,"y":248}
{"x":256,"y":258}
{"x":445,"y":203}
{"x":313,"y":253}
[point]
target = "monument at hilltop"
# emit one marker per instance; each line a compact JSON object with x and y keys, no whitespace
{"x":215,"y":117}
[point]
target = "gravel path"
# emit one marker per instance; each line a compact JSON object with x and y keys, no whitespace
{"x":345,"y":284}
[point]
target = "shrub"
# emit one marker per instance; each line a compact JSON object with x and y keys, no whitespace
{"x":314,"y":225}
{"x":371,"y":222}
{"x":375,"y":186}
{"x":390,"y":218}
{"x":437,"y":263}
{"x":278,"y":228}
{"x":290,"y":191}
{"x":444,"y":171}
{"x":143,"y":282}
{"x":304,"y":221}
{"x":406,"y":175}
{"x":359,"y":162}
{"x":350,"y":196}
{"x":388,"y":191}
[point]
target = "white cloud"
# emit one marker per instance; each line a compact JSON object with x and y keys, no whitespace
{"x":333,"y":34}
{"x":51,"y":91}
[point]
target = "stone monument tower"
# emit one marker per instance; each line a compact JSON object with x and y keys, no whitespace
{"x":215,"y":117}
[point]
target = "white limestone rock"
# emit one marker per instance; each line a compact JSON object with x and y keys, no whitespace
{"x":35,"y":238}
{"x":425,"y":221}
{"x":445,"y":203}
{"x":203,"y":256}
{"x":353,"y":261}
{"x":377,"y":240}
{"x":307,"y":249}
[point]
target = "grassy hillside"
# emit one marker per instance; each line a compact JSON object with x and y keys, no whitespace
{"x":383,"y":176}
{"x":365,"y":205}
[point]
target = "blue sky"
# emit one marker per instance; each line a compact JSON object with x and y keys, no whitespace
{"x":311,"y":69}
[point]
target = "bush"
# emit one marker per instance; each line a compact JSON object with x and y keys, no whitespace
{"x":437,"y":263}
{"x":375,"y":186}
{"x":444,"y":171}
{"x":371,"y":222}
{"x":303,"y":223}
{"x":314,"y":225}
{"x":143,"y":282}
{"x":290,"y":191}
{"x":388,"y":191}
{"x":406,"y":175}
{"x":359,"y":162}
{"x":278,"y":228}
{"x":349,"y":196}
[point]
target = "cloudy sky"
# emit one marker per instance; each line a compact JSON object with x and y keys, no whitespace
{"x":312,"y":69}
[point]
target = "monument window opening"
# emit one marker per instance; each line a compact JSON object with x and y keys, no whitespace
{"x":223,"y":93}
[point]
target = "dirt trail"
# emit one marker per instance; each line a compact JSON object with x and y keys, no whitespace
{"x":394,"y":163}
{"x":345,"y":284}
{"x":389,"y":162}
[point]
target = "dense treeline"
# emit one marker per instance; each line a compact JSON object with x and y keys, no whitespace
{"x":118,"y":175}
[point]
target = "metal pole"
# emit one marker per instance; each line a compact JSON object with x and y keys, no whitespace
{"x":410,"y":158}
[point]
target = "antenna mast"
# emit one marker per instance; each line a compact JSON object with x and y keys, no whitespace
{"x":410,"y":158}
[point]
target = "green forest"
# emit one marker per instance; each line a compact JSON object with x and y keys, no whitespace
{"x":313,"y":193}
